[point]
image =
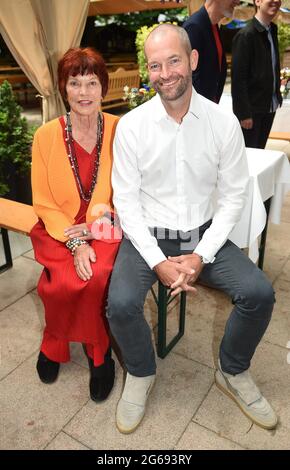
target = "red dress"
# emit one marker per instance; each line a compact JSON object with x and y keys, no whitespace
{"x":74,"y":309}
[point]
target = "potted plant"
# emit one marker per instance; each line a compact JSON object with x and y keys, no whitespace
{"x":15,"y":148}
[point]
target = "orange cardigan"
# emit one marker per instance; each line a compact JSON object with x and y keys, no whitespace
{"x":56,"y":198}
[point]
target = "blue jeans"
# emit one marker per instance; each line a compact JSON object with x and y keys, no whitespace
{"x":232,"y":272}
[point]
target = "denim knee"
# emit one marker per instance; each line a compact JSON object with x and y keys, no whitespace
{"x":258,"y":296}
{"x":123,"y":305}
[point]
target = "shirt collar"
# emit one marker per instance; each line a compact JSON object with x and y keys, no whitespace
{"x":160,"y":112}
{"x":262,"y":26}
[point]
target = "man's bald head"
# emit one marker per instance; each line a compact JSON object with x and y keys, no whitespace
{"x":162,"y":31}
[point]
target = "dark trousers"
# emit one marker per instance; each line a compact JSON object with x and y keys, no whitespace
{"x":231,"y":272}
{"x":258,"y":135}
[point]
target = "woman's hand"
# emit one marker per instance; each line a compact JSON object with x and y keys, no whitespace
{"x":84,"y":255}
{"x":81,"y":231}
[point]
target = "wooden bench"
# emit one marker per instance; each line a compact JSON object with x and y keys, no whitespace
{"x":21,"y":218}
{"x":280,"y":135}
{"x":117,"y":81}
{"x":18,"y":218}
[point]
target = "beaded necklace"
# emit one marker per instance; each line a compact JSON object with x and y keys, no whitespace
{"x":86,"y":196}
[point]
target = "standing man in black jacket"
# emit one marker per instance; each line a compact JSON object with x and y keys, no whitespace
{"x":256,"y":74}
{"x":202,"y":28}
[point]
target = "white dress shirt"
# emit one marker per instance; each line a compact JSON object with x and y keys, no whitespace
{"x":178,"y":176}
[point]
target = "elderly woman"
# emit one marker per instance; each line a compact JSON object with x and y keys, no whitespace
{"x":71,"y":170}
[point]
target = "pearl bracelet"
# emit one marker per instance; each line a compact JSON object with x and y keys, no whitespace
{"x":73,"y":243}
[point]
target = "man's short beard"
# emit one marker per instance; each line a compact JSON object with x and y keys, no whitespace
{"x":177,"y":92}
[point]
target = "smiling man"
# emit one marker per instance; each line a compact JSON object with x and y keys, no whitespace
{"x":203,"y":31}
{"x":171,"y":155}
{"x":256,"y":74}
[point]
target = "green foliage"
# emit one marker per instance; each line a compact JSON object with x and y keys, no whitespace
{"x":141,"y":36}
{"x":283,"y":38}
{"x":15,"y":136}
{"x":134,"y":20}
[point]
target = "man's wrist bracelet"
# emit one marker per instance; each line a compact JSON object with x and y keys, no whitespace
{"x":73,"y":243}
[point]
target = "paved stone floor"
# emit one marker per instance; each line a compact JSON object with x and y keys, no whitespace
{"x":185,"y":410}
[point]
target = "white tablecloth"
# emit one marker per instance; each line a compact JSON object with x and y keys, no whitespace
{"x":270,"y":177}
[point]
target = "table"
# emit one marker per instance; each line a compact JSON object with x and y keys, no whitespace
{"x":269,"y":181}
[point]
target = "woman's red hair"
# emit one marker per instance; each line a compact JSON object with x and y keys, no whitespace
{"x":82,"y":61}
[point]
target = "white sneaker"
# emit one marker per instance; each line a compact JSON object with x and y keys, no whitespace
{"x":132,"y":405}
{"x":242,"y":389}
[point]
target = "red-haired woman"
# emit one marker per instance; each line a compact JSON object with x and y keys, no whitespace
{"x":71,"y":184}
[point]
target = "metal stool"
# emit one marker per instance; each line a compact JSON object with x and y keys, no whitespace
{"x":162,"y":302}
{"x":7,"y":251}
